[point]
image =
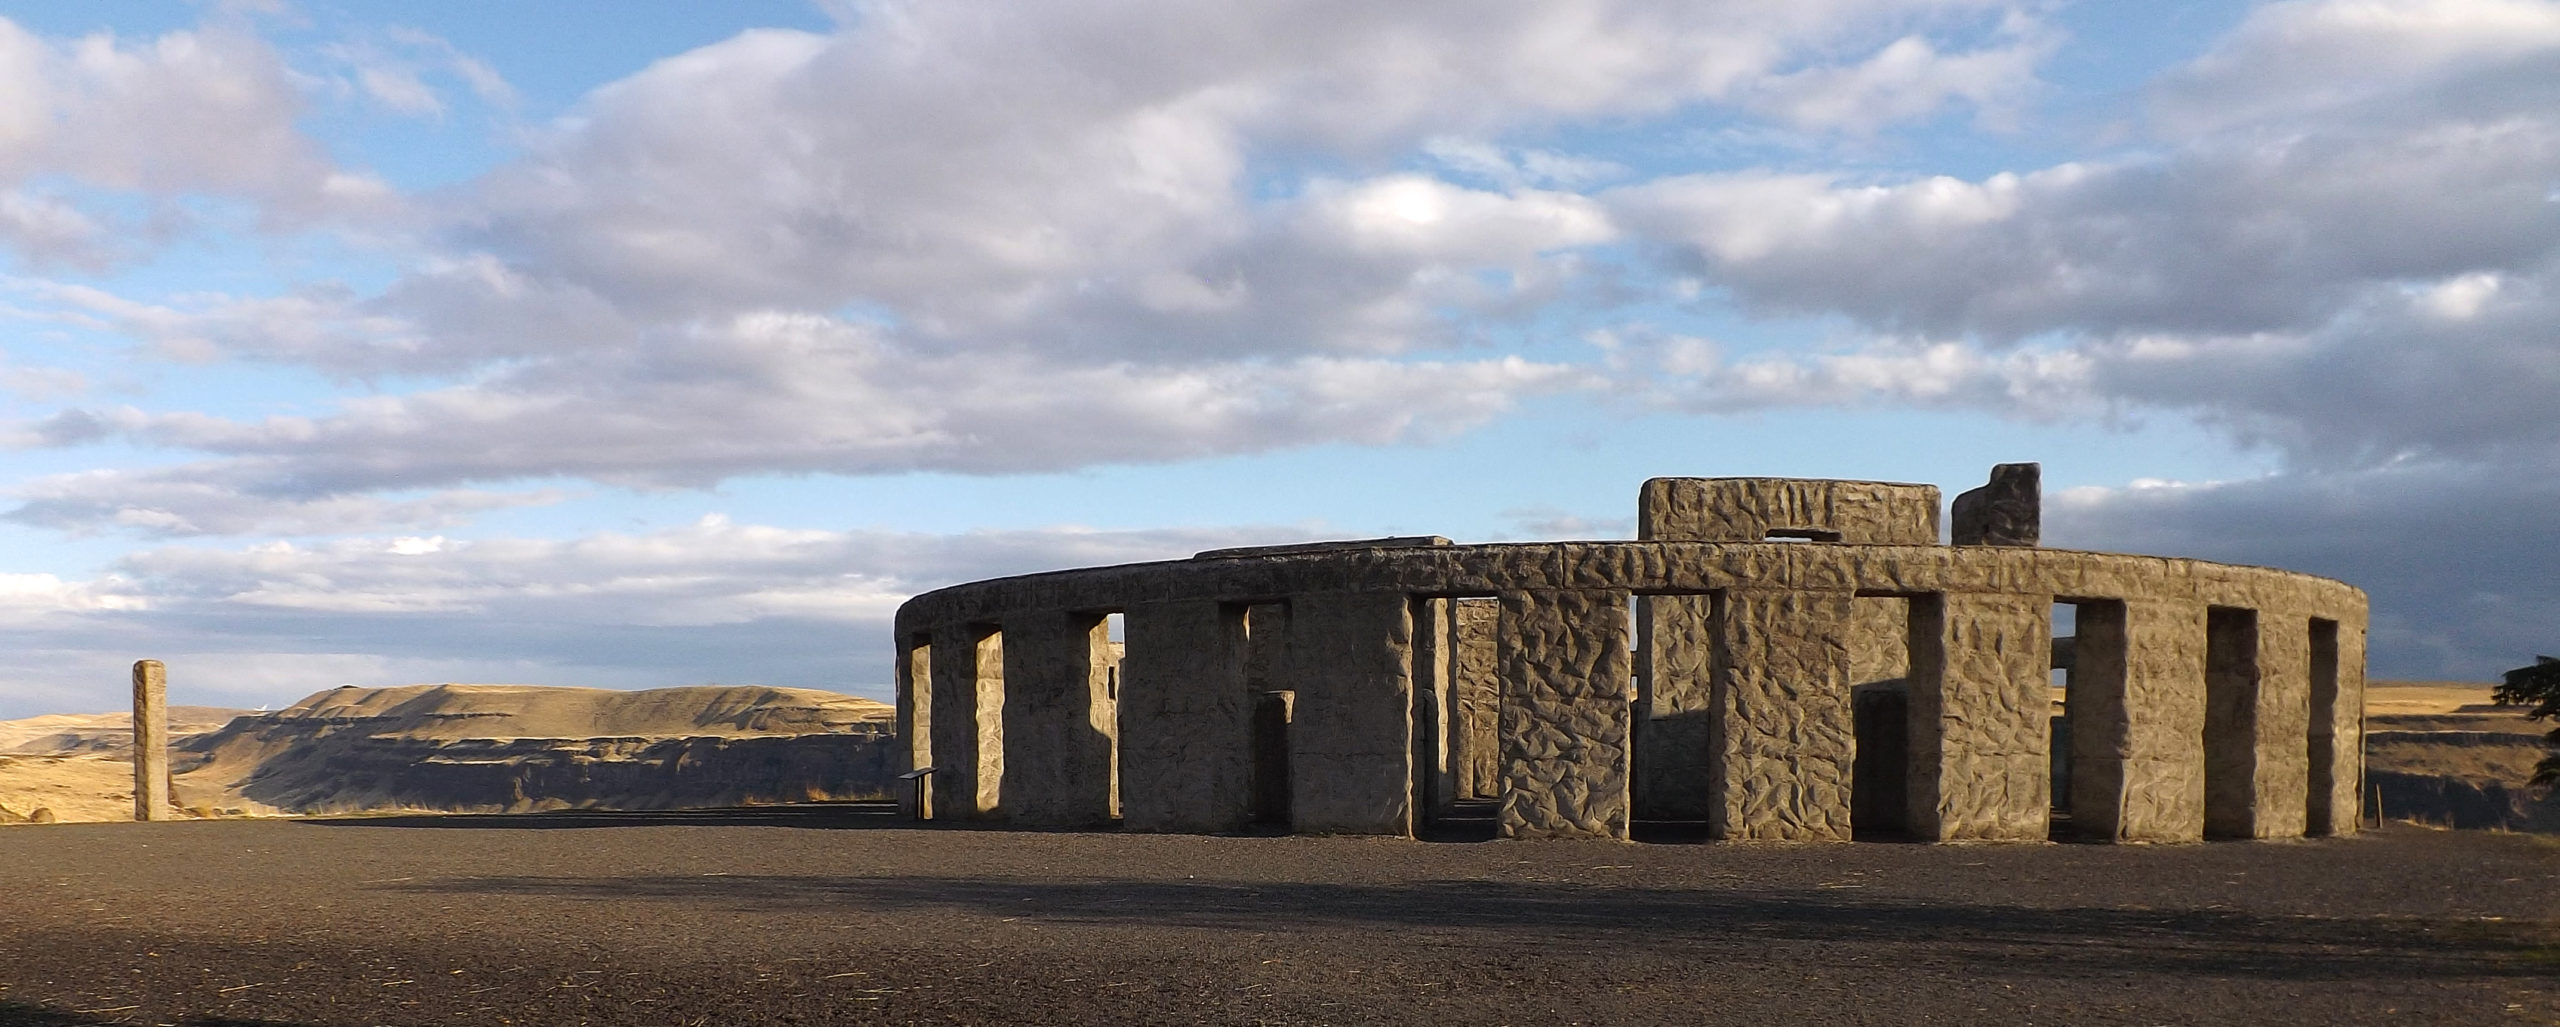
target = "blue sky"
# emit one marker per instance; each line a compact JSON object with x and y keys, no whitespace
{"x":634,"y":344}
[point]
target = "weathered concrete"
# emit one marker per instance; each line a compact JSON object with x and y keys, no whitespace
{"x":1350,"y":660}
{"x":1675,"y":704}
{"x":1981,"y":706}
{"x":1783,"y":725}
{"x":1434,"y":709}
{"x":1566,"y":690}
{"x":967,"y":666}
{"x":2006,"y":511}
{"x":1754,"y":660}
{"x":151,"y":741}
{"x":1753,"y":509}
{"x":1186,"y":719}
{"x":1476,"y":688}
{"x":1058,"y":723}
{"x":915,"y":704}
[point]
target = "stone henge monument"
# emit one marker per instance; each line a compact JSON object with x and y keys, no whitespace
{"x":1772,"y":658}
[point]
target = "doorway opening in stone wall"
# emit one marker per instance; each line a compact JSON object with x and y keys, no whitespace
{"x":1115,"y":638}
{"x":1880,"y":649}
{"x":1266,"y":634}
{"x":2230,"y":722}
{"x":1458,"y":659}
{"x":1670,"y":739}
{"x":2066,"y":620}
{"x":2320,"y":808}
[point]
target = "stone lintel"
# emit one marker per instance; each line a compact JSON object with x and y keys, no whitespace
{"x":1757,"y":509}
{"x":1301,"y":548}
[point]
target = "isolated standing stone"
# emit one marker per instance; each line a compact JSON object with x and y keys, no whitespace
{"x":150,"y":741}
{"x":2007,"y":511}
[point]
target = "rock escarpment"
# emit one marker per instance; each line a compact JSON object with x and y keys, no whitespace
{"x":515,"y":748}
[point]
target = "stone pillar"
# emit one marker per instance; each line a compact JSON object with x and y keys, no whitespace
{"x":915,"y":704}
{"x":1566,"y":683}
{"x":1434,"y":705}
{"x":1350,"y":660}
{"x":1475,"y":688}
{"x":2281,"y":784}
{"x":150,"y":741}
{"x":1674,"y":747}
{"x":2137,"y":721}
{"x":2345,"y":726}
{"x":1186,"y":719}
{"x":1981,"y":717}
{"x":1784,"y":726}
{"x":1057,"y":735}
{"x":967,"y":669}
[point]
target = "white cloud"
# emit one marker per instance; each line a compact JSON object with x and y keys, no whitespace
{"x":711,"y":601}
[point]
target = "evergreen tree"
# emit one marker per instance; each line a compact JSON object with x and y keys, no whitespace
{"x":2537,"y":686}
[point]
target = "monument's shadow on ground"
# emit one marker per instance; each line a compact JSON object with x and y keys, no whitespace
{"x":1993,"y":940}
{"x":14,"y":1014}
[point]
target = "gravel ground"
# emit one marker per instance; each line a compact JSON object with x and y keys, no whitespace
{"x":844,"y":915}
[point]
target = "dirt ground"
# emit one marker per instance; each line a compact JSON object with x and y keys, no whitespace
{"x":820,"y":915}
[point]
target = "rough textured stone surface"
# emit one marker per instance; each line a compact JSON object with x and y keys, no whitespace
{"x":2336,"y":757}
{"x":1675,"y":704}
{"x":1434,"y":709}
{"x":1981,"y":707}
{"x":1186,"y":720}
{"x":915,"y":705}
{"x":1476,"y":686}
{"x":151,"y":742}
{"x":1783,"y":721}
{"x":2281,"y":784}
{"x":1356,"y":634}
{"x":2160,"y":719}
{"x":1753,"y":509}
{"x":2008,"y":510}
{"x":1057,"y":720}
{"x":967,"y":662}
{"x":1349,"y":658}
{"x":1566,"y":684}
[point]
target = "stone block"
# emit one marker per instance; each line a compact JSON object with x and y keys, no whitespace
{"x":1755,"y":509}
{"x":1675,"y":705}
{"x":1349,"y":659}
{"x":2006,"y":511}
{"x":1981,"y":714}
{"x":1566,"y":683}
{"x":1784,"y":726}
{"x":1434,"y":710}
{"x":1185,"y":719}
{"x":2280,"y":783}
{"x":966,"y":663}
{"x":2137,"y":719}
{"x":915,"y":704}
{"x":1058,"y":722}
{"x":151,"y":741}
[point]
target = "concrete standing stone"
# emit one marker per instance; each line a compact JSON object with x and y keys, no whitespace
{"x":1862,"y":679}
{"x":150,"y":741}
{"x":2006,"y":511}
